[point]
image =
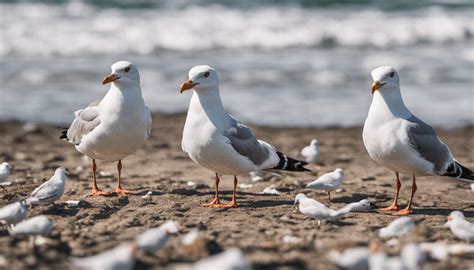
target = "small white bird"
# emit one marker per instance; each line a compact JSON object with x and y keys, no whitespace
{"x":311,"y":152}
{"x":118,"y":258}
{"x":39,"y":225}
{"x":401,"y":142}
{"x":5,"y":171}
{"x":219,"y":142}
{"x":412,"y":257}
{"x":232,"y":259}
{"x":460,"y":227}
{"x":351,"y":258}
{"x":397,"y":228}
{"x":190,"y":237}
{"x":155,"y":239}
{"x":13,"y":213}
{"x":360,"y":206}
{"x":51,"y":190}
{"x":315,"y":209}
{"x":114,"y":127}
{"x":328,"y":181}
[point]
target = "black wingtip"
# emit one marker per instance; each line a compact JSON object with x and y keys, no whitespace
{"x":63,"y":135}
{"x":460,"y":172}
{"x":290,"y":164}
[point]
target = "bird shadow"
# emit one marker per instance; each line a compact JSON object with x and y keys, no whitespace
{"x":355,"y":197}
{"x":292,"y":264}
{"x":439,"y":212}
{"x":265,"y":203}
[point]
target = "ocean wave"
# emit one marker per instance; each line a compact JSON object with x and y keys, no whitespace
{"x":75,"y":28}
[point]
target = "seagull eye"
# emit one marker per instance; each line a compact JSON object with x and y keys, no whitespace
{"x":392,"y":74}
{"x":127,"y":69}
{"x":206,"y":74}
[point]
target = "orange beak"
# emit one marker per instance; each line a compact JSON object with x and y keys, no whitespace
{"x":110,"y":78}
{"x":187,"y":85}
{"x":376,"y":85}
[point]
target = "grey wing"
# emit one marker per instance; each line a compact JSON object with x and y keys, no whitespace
{"x":86,"y":120}
{"x":245,"y":143}
{"x":45,"y":191}
{"x":424,"y":139}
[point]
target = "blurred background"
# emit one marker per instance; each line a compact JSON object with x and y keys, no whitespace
{"x":281,"y":63}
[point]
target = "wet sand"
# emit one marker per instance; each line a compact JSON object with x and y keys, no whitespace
{"x":257,"y":226}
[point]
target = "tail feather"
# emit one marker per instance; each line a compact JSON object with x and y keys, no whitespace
{"x":459,"y":171}
{"x":64,"y":135}
{"x":290,"y":164}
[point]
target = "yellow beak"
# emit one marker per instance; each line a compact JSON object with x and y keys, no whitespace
{"x":187,"y":85}
{"x":110,"y":78}
{"x":376,"y":85}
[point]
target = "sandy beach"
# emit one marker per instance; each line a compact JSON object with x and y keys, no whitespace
{"x":257,"y":226}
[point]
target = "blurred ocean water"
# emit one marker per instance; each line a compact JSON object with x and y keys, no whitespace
{"x":281,"y":63}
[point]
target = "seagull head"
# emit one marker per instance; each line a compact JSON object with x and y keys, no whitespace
{"x":299,"y":197}
{"x":384,"y":77}
{"x":201,"y":77}
{"x":61,"y":172}
{"x":6,"y":165}
{"x":123,"y":72}
{"x":314,"y":142}
{"x":339,"y":170}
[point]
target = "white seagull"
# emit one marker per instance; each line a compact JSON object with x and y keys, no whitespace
{"x":397,"y":228}
{"x":155,"y":239}
{"x":114,"y":127}
{"x":51,"y":190}
{"x":360,"y":206}
{"x":219,"y":142}
{"x":39,"y":225}
{"x":400,"y":141}
{"x":231,"y":259}
{"x":316,"y":210}
{"x":118,"y":258}
{"x":311,"y":152}
{"x":460,"y":227}
{"x":13,"y":213}
{"x":5,"y":171}
{"x":328,"y":182}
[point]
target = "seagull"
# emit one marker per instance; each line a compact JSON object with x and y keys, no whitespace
{"x":315,"y":209}
{"x":51,"y":190}
{"x":351,"y":258}
{"x":5,"y":171}
{"x":219,"y":142}
{"x":401,"y":142}
{"x":360,"y":206}
{"x":13,"y":213}
{"x":155,"y":239}
{"x":397,"y":228}
{"x":114,"y":127}
{"x":232,"y":259}
{"x":328,"y":182}
{"x":118,"y":258}
{"x":39,"y":225}
{"x":460,"y":227}
{"x":311,"y":152}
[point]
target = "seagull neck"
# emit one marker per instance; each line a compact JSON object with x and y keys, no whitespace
{"x":391,"y":100}
{"x":211,"y":104}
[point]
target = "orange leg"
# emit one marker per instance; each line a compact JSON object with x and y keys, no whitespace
{"x":407,"y":210}
{"x":215,"y":202}
{"x":394,"y":205}
{"x":95,"y":190}
{"x":233,"y":203}
{"x":119,"y":190}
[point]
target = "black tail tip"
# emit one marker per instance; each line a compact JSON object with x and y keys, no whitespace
{"x":290,"y":164}
{"x":63,"y":135}
{"x":459,"y":171}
